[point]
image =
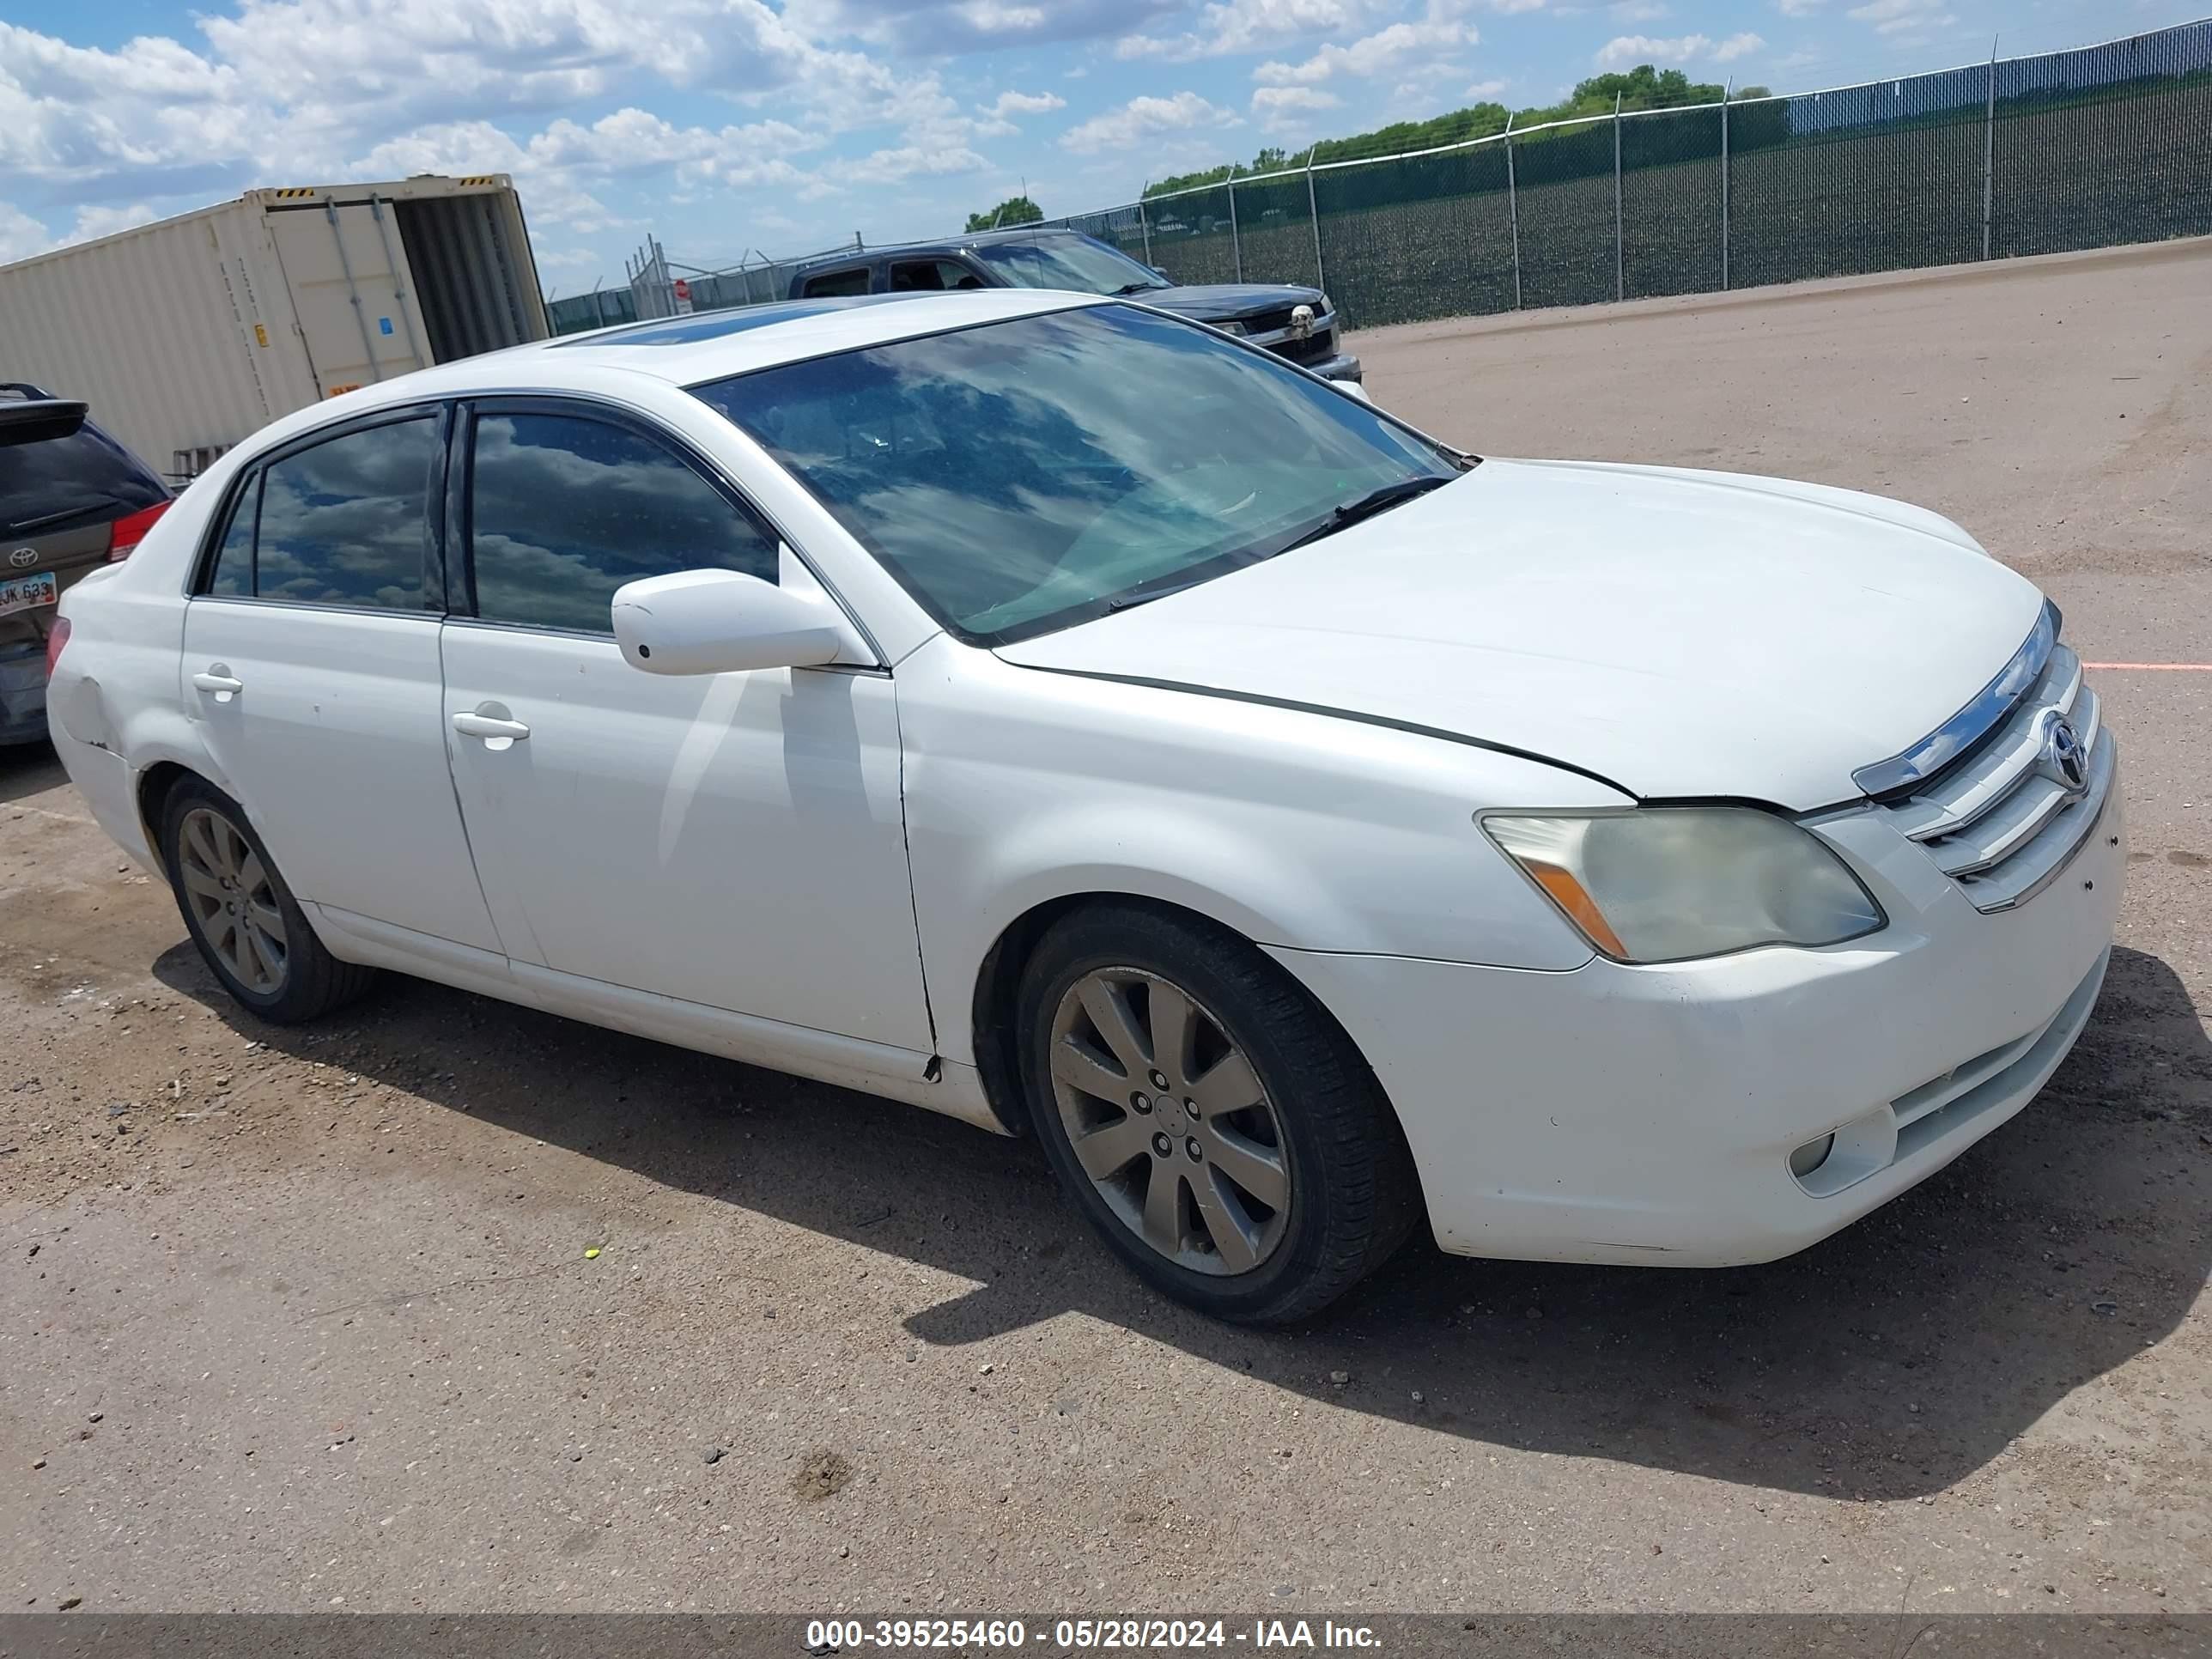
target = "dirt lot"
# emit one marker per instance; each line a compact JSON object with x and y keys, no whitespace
{"x":298,"y":1320}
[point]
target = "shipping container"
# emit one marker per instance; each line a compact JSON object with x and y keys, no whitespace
{"x":186,"y":335}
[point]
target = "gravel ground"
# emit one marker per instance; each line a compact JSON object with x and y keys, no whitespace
{"x":292,"y":1320}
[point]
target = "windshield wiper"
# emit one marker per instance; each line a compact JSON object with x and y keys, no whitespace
{"x":1127,"y":289}
{"x":1128,"y":600}
{"x":52,"y":520}
{"x":1367,"y":505}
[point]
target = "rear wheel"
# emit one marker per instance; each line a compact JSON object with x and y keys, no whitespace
{"x":248,"y":928}
{"x":1211,"y":1122}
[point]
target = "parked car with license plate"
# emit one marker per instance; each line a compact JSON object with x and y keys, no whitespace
{"x":71,"y":499}
{"x":1304,"y":829}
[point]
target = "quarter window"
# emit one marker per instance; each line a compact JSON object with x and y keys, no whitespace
{"x":234,"y":561}
{"x":565,"y":509}
{"x":347,"y":521}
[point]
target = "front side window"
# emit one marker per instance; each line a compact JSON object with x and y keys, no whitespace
{"x":1074,"y":263}
{"x":564,"y":509}
{"x":1027,"y":475}
{"x":347,"y":522}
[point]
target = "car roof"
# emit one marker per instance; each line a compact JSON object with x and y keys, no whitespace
{"x":922,"y":250}
{"x":691,"y":350}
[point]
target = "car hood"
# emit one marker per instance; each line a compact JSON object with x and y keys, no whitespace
{"x":1677,"y":633}
{"x":1218,"y":302}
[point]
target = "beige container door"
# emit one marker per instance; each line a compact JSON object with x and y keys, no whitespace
{"x":348,"y":281}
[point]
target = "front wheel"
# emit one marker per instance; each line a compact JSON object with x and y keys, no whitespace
{"x":1214,"y":1124}
{"x":249,"y":928}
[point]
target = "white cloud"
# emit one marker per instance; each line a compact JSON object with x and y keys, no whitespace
{"x":1141,"y":119}
{"x":1380,"y":53}
{"x":886,"y":166}
{"x":21,"y":235}
{"x":1625,"y":51}
{"x":1798,"y":8}
{"x":1284,"y":110}
{"x":1482,"y":90}
{"x":1026,"y":103}
{"x":94,"y":222}
{"x":1901,"y":16}
{"x":1647,"y":11}
{"x":1230,"y":27}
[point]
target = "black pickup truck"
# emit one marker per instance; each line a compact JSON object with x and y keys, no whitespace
{"x":1296,"y":323}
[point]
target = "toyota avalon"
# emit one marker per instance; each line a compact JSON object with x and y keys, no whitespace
{"x":1307,"y":830}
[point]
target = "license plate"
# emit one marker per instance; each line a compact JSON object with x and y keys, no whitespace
{"x":22,"y":592}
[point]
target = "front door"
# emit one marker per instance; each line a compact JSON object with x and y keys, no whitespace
{"x":732,"y":840}
{"x":311,"y":667}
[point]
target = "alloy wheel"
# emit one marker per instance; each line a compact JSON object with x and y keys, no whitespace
{"x":1169,"y":1121}
{"x":232,"y":898}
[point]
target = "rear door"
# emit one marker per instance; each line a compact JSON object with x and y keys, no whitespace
{"x":343,"y":264}
{"x":311,"y":667}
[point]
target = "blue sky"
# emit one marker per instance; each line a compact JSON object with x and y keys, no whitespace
{"x":725,"y":126}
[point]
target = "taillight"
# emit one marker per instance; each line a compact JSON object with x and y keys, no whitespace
{"x":55,"y":641}
{"x":126,"y":533}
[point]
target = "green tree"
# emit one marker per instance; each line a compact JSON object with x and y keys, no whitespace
{"x":1014,"y":210}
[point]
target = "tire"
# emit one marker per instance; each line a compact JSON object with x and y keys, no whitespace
{"x":230,"y":894}
{"x":1321,"y":1135}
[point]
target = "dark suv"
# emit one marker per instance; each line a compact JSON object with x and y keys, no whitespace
{"x":71,"y":499}
{"x":1298,"y":323}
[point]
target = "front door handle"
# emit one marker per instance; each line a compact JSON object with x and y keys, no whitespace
{"x":218,"y":680}
{"x":494,"y":731}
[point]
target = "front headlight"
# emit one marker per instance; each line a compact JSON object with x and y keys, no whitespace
{"x":1664,"y":884}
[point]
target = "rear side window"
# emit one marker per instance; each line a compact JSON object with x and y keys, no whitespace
{"x":932,"y":276}
{"x":564,"y":509}
{"x":347,"y":522}
{"x":66,"y":483}
{"x":835,"y":284}
{"x":233,"y":576}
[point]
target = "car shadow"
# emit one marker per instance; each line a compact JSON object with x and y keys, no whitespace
{"x":27,"y":770}
{"x":1888,"y":1362}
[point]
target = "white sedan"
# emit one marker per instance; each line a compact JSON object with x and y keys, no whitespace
{"x":1052,"y":713}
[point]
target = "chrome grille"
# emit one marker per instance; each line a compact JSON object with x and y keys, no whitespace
{"x":2004,"y":820}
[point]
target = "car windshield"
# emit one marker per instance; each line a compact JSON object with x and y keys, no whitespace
{"x":1023,"y":475}
{"x":1074,"y":262}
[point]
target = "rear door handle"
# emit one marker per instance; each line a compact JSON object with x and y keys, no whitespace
{"x":218,"y":680}
{"x":494,"y":731}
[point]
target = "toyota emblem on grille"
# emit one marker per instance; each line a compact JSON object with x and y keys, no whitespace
{"x":24,"y":557}
{"x":2064,"y":760}
{"x":1302,"y":322}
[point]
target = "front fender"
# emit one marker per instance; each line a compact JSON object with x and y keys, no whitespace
{"x":1295,"y":829}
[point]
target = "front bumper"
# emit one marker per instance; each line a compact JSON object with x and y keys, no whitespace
{"x":1640,"y":1114}
{"x":1342,"y":366}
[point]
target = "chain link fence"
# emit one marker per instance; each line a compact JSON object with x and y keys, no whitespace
{"x":2090,"y":148}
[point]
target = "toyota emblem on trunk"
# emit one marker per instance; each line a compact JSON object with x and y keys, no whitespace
{"x":24,"y":557}
{"x":2063,"y":757}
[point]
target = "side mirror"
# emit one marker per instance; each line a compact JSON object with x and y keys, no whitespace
{"x":1158,"y":272}
{"x":720,"y":621}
